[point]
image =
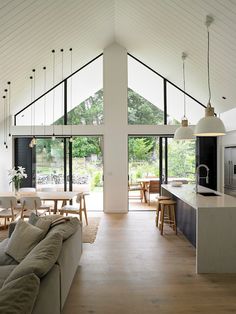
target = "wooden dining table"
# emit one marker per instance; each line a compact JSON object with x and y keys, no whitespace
{"x":54,"y":196}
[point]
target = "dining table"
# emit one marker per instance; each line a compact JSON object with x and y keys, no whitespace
{"x":55,"y":196}
{"x":146,"y":181}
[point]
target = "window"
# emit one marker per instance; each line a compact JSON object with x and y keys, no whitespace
{"x":175,"y":107}
{"x":85,"y":95}
{"x":145,"y":95}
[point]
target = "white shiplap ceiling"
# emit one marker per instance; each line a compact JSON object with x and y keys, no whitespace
{"x":155,"y":31}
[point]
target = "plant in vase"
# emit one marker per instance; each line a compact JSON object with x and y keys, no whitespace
{"x":16,"y":176}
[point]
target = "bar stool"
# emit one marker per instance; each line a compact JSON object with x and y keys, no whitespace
{"x":160,"y":198}
{"x":168,"y":207}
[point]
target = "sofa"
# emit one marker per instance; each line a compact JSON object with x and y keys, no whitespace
{"x":38,"y":278}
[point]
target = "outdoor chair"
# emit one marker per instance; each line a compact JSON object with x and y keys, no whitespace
{"x":32,"y":204}
{"x":153,"y":188}
{"x":136,"y":187}
{"x":8,"y":208}
{"x":77,"y":208}
{"x":26,"y":190}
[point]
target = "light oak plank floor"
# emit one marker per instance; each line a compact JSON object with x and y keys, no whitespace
{"x":131,"y":268}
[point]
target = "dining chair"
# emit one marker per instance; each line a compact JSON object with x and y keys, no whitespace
{"x":153,"y":188}
{"x":27,"y":190}
{"x":77,"y":208}
{"x":135,"y":187}
{"x":32,"y":204}
{"x":8,"y":208}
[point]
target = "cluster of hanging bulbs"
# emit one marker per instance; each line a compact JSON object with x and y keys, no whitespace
{"x":7,"y":114}
{"x":33,"y":141}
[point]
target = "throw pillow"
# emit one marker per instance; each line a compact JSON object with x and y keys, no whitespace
{"x":19,"y":295}
{"x":67,"y":228}
{"x":23,"y":239}
{"x":40,"y":260}
{"x":33,"y":218}
{"x":43,"y":224}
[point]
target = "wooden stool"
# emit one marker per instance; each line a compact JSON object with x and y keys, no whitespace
{"x":168,"y":207}
{"x":160,"y":198}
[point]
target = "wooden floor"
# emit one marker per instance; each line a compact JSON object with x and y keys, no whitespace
{"x":132,"y":269}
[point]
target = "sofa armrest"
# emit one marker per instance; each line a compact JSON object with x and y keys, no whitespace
{"x":68,"y":261}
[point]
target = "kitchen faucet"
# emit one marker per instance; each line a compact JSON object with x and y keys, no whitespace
{"x":198,"y":175}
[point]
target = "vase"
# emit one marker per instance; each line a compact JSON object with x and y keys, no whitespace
{"x":16,"y":187}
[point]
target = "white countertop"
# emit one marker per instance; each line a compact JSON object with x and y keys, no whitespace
{"x":187,"y":194}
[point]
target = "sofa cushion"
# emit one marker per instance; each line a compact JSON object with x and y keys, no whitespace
{"x":4,"y":258}
{"x":18,"y":296}
{"x":5,"y":272}
{"x":43,"y":224}
{"x":67,"y":228}
{"x":23,"y":239}
{"x":40,"y":260}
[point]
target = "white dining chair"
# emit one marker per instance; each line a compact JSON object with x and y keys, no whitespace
{"x":77,"y":208}
{"x":27,"y":190}
{"x":8,"y":208}
{"x":32,"y":204}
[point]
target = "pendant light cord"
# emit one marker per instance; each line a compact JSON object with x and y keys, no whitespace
{"x":53,"y":94}
{"x":62,"y":88}
{"x":44,"y":103}
{"x":183,"y":57}
{"x":9,"y":109}
{"x":208,"y":64}
{"x":71,"y":107}
{"x":31,"y":110}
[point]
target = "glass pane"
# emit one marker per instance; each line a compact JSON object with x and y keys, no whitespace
{"x":145,"y":95}
{"x":181,"y":160}
{"x":143,"y":168}
{"x":175,"y":107}
{"x":35,"y":115}
{"x":50,"y":164}
{"x":87,"y":169}
{"x":85,"y":95}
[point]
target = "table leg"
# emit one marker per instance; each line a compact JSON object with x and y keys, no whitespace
{"x":55,"y":207}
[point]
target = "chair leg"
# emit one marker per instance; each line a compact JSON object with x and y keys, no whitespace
{"x":162,"y":218}
{"x":157,"y":214}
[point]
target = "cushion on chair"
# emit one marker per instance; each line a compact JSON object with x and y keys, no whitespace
{"x":23,"y":239}
{"x":18,"y":296}
{"x":40,"y":260}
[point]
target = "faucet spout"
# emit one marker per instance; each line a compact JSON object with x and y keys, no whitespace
{"x":198,"y":175}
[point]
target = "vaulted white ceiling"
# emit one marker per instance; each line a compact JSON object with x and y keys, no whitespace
{"x":155,"y":31}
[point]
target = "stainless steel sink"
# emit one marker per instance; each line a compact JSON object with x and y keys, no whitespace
{"x":208,"y":194}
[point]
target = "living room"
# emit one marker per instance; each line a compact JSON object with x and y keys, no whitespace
{"x":124,"y":60}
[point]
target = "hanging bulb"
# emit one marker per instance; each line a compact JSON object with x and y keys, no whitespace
{"x":44,"y":148}
{"x":71,"y":139}
{"x":31,"y":145}
{"x":53,"y":137}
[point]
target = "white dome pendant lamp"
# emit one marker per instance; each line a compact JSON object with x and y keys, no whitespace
{"x":210,"y":125}
{"x":184,"y":132}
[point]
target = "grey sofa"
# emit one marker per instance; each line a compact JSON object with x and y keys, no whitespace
{"x":55,"y":285}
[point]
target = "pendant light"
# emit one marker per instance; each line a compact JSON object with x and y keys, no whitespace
{"x":184,"y":132}
{"x":34,"y":141}
{"x":210,"y":125}
{"x":62,"y":94}
{"x":5,"y":118}
{"x":4,"y":121}
{"x":53,"y":94}
{"x":31,"y":145}
{"x":9,"y":108}
{"x":71,"y":70}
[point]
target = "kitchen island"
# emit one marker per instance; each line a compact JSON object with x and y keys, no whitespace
{"x":209,"y":223}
